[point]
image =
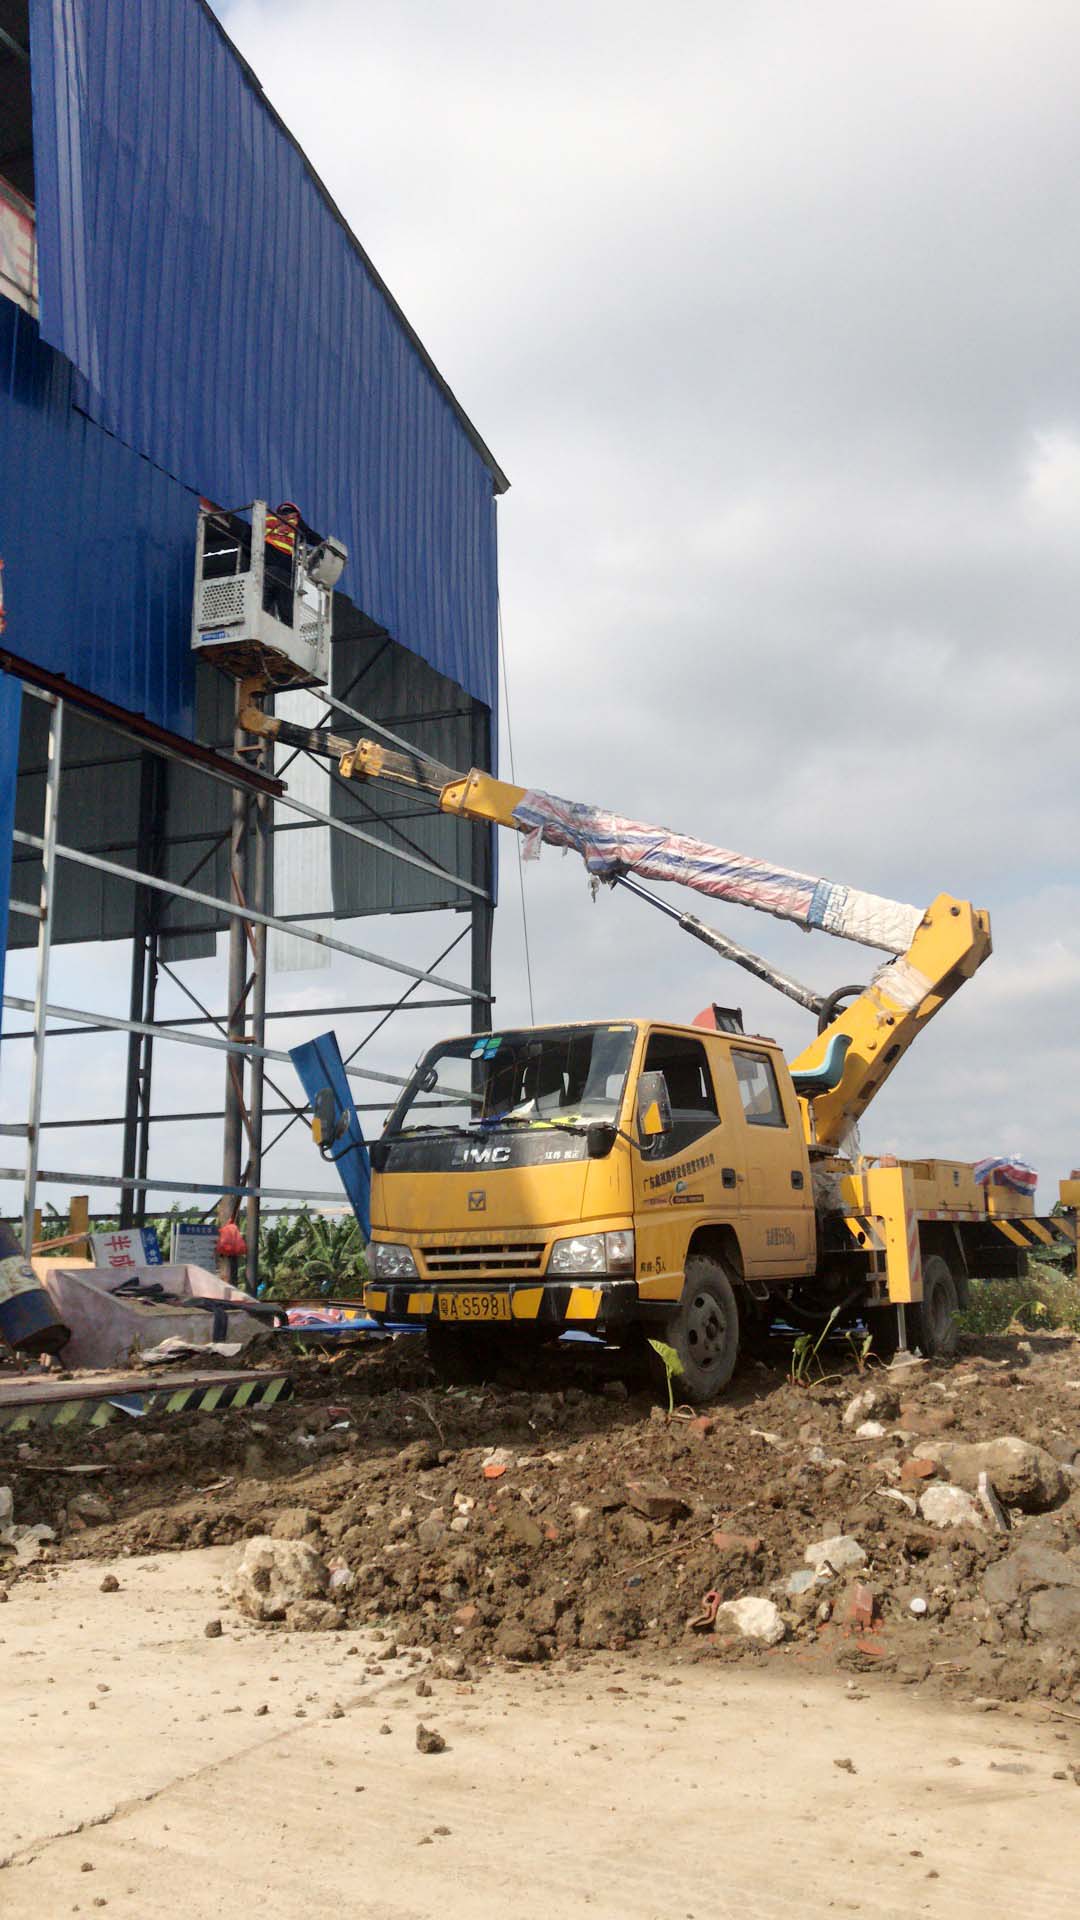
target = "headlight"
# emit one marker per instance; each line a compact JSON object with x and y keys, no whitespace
{"x":389,"y":1262}
{"x":620,"y":1250}
{"x":594,"y":1253}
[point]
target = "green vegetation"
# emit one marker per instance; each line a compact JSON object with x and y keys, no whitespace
{"x":805,"y":1351}
{"x":673,"y":1368}
{"x":1045,"y":1298}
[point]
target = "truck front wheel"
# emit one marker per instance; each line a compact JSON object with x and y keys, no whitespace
{"x":704,"y":1333}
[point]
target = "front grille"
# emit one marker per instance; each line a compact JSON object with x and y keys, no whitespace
{"x":468,"y":1263}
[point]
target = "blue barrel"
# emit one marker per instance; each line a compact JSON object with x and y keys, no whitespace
{"x":27,"y":1320}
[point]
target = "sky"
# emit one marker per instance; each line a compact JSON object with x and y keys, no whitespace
{"x":771,"y":312}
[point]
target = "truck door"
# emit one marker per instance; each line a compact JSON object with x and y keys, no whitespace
{"x":692,"y":1170}
{"x":780,"y":1217}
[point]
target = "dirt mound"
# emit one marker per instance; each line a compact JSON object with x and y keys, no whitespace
{"x":572,"y":1514}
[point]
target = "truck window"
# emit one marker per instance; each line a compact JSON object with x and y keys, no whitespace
{"x":685,"y":1066}
{"x":758,"y":1089}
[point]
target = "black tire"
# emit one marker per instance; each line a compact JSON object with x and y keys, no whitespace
{"x":932,"y":1323}
{"x":704,"y":1331}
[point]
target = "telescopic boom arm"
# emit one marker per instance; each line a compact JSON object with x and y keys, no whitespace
{"x":933,"y":953}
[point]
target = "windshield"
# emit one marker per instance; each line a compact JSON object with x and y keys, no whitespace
{"x":560,"y":1076}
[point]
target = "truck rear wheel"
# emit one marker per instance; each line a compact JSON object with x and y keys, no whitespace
{"x":932,"y":1323}
{"x":704,"y":1333}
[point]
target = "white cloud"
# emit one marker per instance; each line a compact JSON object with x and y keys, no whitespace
{"x":1053,"y":480}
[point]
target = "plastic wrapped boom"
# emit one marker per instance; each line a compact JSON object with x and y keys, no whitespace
{"x":608,"y":844}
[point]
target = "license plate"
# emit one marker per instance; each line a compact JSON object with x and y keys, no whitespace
{"x":474,"y":1306}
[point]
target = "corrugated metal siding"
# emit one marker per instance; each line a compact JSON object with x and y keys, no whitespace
{"x":98,"y":545}
{"x":400,"y":690}
{"x":99,"y":813}
{"x":232,"y":331}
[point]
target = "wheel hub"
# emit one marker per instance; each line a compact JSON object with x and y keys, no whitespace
{"x":706,"y":1330}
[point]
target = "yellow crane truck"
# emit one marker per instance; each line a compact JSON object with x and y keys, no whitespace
{"x":618,"y":1175}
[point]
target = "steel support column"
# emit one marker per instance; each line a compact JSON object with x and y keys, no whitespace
{"x":46,"y":905}
{"x":260,"y":869}
{"x":236,"y":994}
{"x":152,"y":801}
{"x":483,"y":875}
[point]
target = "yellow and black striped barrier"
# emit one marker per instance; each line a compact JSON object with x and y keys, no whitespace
{"x":1024,"y":1230}
{"x":56,"y":1403}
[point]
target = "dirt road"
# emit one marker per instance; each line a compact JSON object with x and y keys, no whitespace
{"x":158,"y":1771}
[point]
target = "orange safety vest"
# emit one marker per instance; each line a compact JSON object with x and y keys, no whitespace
{"x":282,"y":527}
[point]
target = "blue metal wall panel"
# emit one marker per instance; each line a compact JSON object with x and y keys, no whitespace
{"x":10,"y":708}
{"x":98,"y":545}
{"x":230,"y":329}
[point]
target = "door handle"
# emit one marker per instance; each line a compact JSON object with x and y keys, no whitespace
{"x":797,"y":1180}
{"x":728,"y":1176}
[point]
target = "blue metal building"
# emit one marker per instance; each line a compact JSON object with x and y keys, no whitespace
{"x":200,"y":322}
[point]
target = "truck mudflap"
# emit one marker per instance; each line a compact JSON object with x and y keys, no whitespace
{"x":602,"y":1306}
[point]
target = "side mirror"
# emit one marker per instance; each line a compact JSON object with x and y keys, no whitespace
{"x":653,"y":1106}
{"x":328,"y":1122}
{"x":600,"y":1137}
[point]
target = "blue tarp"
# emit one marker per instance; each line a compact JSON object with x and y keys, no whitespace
{"x":319,"y":1064}
{"x":230,"y":329}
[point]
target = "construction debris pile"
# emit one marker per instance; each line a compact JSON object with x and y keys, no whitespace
{"x":921,"y":1520}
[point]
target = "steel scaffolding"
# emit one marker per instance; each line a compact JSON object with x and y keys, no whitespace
{"x":239,"y":1033}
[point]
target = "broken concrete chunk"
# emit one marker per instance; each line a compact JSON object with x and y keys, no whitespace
{"x":878,"y":1403}
{"x":870,"y":1430}
{"x":800,"y":1581}
{"x":1055,"y":1613}
{"x":274,"y":1575}
{"x":838,"y":1553}
{"x":1026,"y":1569}
{"x":1023,"y":1475}
{"x":946,"y":1506}
{"x":314,"y":1616}
{"x":656,"y":1500}
{"x":753,"y":1617}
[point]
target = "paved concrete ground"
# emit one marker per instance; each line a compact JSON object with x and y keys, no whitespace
{"x":141,"y":1777}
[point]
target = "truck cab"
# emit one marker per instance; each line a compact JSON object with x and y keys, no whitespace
{"x":599,"y":1176}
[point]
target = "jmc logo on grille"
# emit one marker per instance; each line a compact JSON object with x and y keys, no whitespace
{"x":477,"y":1200}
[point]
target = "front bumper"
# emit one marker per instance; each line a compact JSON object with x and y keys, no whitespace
{"x":600,"y":1306}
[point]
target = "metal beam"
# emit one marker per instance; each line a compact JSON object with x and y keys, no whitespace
{"x":242,"y":913}
{"x":185,"y":1039}
{"x":163,"y":1186}
{"x":279,"y":1013}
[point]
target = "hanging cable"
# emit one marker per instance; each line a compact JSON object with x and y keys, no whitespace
{"x":513,"y":776}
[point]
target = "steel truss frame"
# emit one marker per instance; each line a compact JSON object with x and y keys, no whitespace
{"x":239,"y":1033}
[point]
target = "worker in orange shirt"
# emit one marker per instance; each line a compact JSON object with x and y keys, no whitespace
{"x":282,"y":530}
